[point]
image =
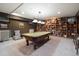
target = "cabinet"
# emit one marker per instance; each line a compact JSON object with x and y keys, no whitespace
{"x":4,"y":35}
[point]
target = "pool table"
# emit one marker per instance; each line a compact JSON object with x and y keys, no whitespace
{"x":37,"y":38}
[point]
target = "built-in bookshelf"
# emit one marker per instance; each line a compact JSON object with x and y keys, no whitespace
{"x":64,"y":27}
{"x":72,"y":29}
{"x":53,"y":24}
{"x":61,"y":26}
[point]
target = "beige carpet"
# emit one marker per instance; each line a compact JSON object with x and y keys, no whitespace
{"x":15,"y":48}
{"x":55,"y":47}
{"x":49,"y":48}
{"x":65,"y":48}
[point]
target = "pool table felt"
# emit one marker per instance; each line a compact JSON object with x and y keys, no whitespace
{"x":35,"y":34}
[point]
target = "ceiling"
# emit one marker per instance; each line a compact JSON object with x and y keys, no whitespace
{"x":31,"y":10}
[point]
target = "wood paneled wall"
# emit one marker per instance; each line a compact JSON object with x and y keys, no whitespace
{"x":19,"y":25}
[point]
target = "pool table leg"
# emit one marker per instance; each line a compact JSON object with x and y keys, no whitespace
{"x":27,"y":42}
{"x":34,"y":47}
{"x":77,"y":51}
{"x":34,"y":43}
{"x":48,"y":37}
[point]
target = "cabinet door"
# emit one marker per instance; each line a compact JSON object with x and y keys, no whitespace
{"x":4,"y":35}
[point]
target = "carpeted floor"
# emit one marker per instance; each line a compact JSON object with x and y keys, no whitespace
{"x":15,"y":48}
{"x":65,"y":48}
{"x":49,"y":48}
{"x":55,"y":47}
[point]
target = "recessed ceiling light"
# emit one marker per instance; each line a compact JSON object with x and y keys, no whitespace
{"x":22,"y":12}
{"x":58,"y":12}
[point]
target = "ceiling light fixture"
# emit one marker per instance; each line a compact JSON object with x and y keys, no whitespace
{"x":58,"y":12}
{"x":39,"y":22}
{"x":22,"y":12}
{"x":42,"y":22}
{"x":35,"y":21}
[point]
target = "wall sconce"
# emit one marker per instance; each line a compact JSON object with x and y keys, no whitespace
{"x":21,"y":25}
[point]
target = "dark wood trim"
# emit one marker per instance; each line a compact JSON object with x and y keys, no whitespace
{"x":20,"y":20}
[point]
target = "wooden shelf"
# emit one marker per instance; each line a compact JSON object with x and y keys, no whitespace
{"x":60,"y":26}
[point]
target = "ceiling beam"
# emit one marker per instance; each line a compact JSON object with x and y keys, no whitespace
{"x":16,"y":8}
